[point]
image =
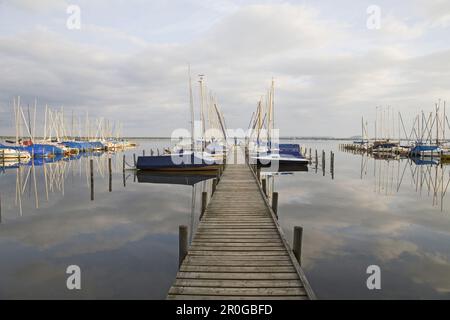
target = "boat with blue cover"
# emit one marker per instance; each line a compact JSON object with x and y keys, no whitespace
{"x":286,"y":154}
{"x":422,"y":150}
{"x":185,"y":161}
{"x":37,"y":150}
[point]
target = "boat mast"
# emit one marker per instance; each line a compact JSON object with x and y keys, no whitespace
{"x":376,"y":118}
{"x":191,"y":107}
{"x":270,"y":127}
{"x":202,"y":115}
{"x":437,"y":122}
{"x":34,"y":119}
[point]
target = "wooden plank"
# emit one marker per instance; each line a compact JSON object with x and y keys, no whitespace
{"x":238,"y":291}
{"x":238,"y":283}
{"x":243,"y":269}
{"x":237,"y":253}
{"x":237,"y":258}
{"x":198,"y":239}
{"x":241,"y":248}
{"x":236,"y":263}
{"x":237,"y":244}
{"x":238,"y":275}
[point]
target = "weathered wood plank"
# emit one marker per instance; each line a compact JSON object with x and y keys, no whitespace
{"x":275,"y":244}
{"x":237,"y":253}
{"x":238,"y":283}
{"x":237,"y":258}
{"x":236,"y":263}
{"x":238,"y":275}
{"x":238,"y":291}
{"x":198,"y":239}
{"x":244,"y":269}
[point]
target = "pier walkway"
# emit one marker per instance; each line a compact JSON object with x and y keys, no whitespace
{"x":239,"y":250}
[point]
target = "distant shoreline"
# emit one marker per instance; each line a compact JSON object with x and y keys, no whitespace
{"x":168,"y":138}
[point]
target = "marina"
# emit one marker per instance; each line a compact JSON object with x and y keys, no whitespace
{"x":223,"y":157}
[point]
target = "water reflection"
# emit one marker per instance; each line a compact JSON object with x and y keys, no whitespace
{"x":388,"y":212}
{"x":427,"y":177}
{"x":125,"y":241}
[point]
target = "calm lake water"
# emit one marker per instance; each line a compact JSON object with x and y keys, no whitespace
{"x":394,"y":214}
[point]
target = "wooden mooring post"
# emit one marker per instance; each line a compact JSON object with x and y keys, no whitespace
{"x":297,"y":244}
{"x":275,"y":203}
{"x":182,"y":243}
{"x":134,"y":159}
{"x":204,"y":203}
{"x":143,"y":152}
{"x":214,"y":185}
{"x":264,"y":186}
{"x":91,"y":168}
{"x":323,"y":162}
{"x":110,"y":174}
{"x":332,"y":164}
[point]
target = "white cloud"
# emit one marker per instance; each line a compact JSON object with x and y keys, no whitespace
{"x":322,"y":65}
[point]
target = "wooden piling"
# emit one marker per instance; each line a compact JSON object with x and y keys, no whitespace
{"x":214,"y":185}
{"x":110,"y":174}
{"x":123,"y":163}
{"x":143,"y":152}
{"x":134,"y":159}
{"x":264,"y":186}
{"x":182,"y":243}
{"x":323,"y":162}
{"x":275,"y":203}
{"x":91,"y":166}
{"x":204,"y":203}
{"x":297,"y":243}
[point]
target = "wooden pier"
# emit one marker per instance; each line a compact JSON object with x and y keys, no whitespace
{"x":239,"y":250}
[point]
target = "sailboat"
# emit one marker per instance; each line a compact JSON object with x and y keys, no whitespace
{"x":8,"y":154}
{"x":183,"y":159}
{"x":265,"y":153}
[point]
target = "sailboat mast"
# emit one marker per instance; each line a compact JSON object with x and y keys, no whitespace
{"x":191,"y":107}
{"x":202,"y":115}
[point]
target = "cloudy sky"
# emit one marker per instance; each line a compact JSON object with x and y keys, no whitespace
{"x":128,"y":61}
